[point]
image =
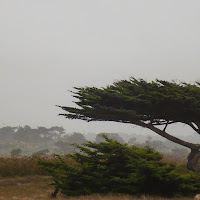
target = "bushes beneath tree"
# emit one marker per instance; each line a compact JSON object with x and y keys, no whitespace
{"x":111,"y":167}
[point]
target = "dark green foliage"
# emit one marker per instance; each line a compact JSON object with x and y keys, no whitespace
{"x":191,"y":183}
{"x":111,"y":167}
{"x":135,"y":100}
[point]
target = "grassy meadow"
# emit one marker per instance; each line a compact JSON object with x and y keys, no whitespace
{"x":21,"y":178}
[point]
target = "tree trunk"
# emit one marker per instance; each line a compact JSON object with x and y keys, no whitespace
{"x":193,"y":159}
{"x":194,"y":156}
{"x":54,"y":194}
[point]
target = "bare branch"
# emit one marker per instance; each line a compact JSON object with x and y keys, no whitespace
{"x":197,"y":124}
{"x":166,"y":135}
{"x":164,"y":123}
{"x":193,"y":127}
{"x":166,"y":126}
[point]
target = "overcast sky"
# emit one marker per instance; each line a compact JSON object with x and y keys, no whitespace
{"x":49,"y":46}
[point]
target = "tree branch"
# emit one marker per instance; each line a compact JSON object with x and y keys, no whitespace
{"x":157,"y":124}
{"x":193,"y":127}
{"x":193,"y":160}
{"x":166,"y":126}
{"x":167,"y":136}
{"x":198,"y":124}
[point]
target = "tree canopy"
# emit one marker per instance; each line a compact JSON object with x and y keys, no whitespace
{"x":150,"y":105}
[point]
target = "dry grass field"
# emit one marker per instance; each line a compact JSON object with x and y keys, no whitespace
{"x":38,"y":188}
{"x":22,"y":179}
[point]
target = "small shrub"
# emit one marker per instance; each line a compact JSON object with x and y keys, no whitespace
{"x":191,"y":183}
{"x":111,"y":167}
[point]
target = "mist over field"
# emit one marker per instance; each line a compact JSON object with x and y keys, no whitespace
{"x":46,"y":141}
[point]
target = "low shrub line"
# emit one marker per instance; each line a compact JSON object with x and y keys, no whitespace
{"x":111,"y":167}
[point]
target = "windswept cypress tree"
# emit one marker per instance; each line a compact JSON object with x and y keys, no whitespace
{"x":153,"y":105}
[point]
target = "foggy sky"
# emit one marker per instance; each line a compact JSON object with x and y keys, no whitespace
{"x":48,"y":46}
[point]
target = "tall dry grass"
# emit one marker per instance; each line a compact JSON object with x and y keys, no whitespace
{"x":24,"y":165}
{"x":174,"y":160}
{"x":19,"y":166}
{"x":181,"y":164}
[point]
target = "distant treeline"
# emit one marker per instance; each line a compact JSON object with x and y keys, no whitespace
{"x":30,"y":135}
{"x":27,"y":141}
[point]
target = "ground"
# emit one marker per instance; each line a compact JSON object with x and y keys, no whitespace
{"x":38,"y":188}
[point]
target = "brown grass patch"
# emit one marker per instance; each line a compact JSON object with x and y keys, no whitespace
{"x":38,"y":188}
{"x":174,"y":160}
{"x":24,"y":165}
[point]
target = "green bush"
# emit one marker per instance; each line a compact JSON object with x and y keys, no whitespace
{"x":111,"y":167}
{"x":191,"y":183}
